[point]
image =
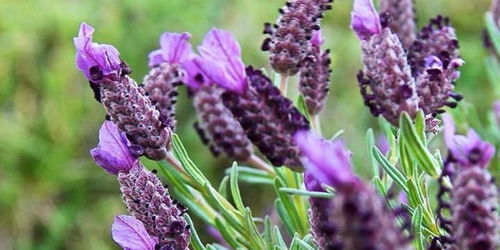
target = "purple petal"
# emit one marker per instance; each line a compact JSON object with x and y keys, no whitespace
{"x":112,"y":152}
{"x":221,"y":49}
{"x":329,"y":162}
{"x":311,"y":183}
{"x":130,"y":234}
{"x":365,"y":20}
{"x":155,"y":58}
{"x":433,"y":62}
{"x":89,"y":54}
{"x":467,"y":150}
{"x":175,"y":46}
{"x":317,"y":39}
{"x":195,"y":76}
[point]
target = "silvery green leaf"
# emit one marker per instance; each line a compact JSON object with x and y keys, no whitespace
{"x":417,"y":148}
{"x":392,"y":171}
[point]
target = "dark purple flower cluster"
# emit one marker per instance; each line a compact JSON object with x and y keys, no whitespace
{"x":289,"y":43}
{"x":395,"y":80}
{"x":402,"y":15}
{"x":269,"y":119}
{"x":315,"y":76}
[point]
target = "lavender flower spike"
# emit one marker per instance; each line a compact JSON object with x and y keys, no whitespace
{"x":112,"y":152}
{"x":386,"y":82}
{"x":93,"y":59}
{"x":149,"y":201}
{"x":323,"y":228}
{"x":474,"y":202}
{"x":357,"y":213}
{"x":403,"y":19}
{"x":222,"y":60}
{"x":289,"y":43}
{"x":467,"y":150}
{"x":127,"y":104}
{"x":314,"y":80}
{"x":167,"y":73}
{"x":269,"y":119}
{"x":365,"y":20}
{"x":130,"y":234}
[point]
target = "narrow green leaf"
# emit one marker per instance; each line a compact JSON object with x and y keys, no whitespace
{"x":304,"y":245}
{"x":288,"y":205}
{"x":186,"y":162}
{"x":195,"y":240}
{"x":301,"y":192}
{"x":420,"y":126}
{"x":337,"y":135}
{"x":417,"y":148}
{"x":255,"y":236}
{"x":406,"y":163}
{"x":217,"y":246}
{"x":183,"y":194}
{"x":268,"y":233}
{"x":379,"y":186}
{"x":392,"y":171}
{"x":210,"y":247}
{"x":226,"y":234}
{"x":285,"y":219}
{"x":228,"y":213}
{"x":279,"y":238}
{"x":370,"y":142}
{"x":302,"y":107}
{"x":416,"y":226}
{"x":492,"y":27}
{"x":493,"y":69}
{"x":223,"y":186}
{"x":235,"y":190}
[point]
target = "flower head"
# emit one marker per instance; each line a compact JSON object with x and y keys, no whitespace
{"x":112,"y":152}
{"x":365,"y":20}
{"x":221,"y":60}
{"x":130,"y":234}
{"x":329,"y":162}
{"x":174,"y":48}
{"x":93,"y":59}
{"x":466,"y":150}
{"x":402,"y":14}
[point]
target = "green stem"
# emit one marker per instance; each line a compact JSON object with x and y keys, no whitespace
{"x":261,"y":164}
{"x":283,"y":84}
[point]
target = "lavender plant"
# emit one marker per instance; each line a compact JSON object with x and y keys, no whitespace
{"x":321,"y":202}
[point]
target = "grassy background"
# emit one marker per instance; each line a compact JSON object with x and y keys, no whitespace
{"x":52,"y":196}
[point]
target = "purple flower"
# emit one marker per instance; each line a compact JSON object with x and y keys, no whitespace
{"x":466,"y":150}
{"x":130,"y":234}
{"x":90,"y":55}
{"x":328,"y":161}
{"x":112,"y":152}
{"x":222,"y":60}
{"x":365,"y":20}
{"x":195,"y":74}
{"x":317,"y":39}
{"x":174,"y":48}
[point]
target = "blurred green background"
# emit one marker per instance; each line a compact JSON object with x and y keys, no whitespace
{"x":52,"y":196}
